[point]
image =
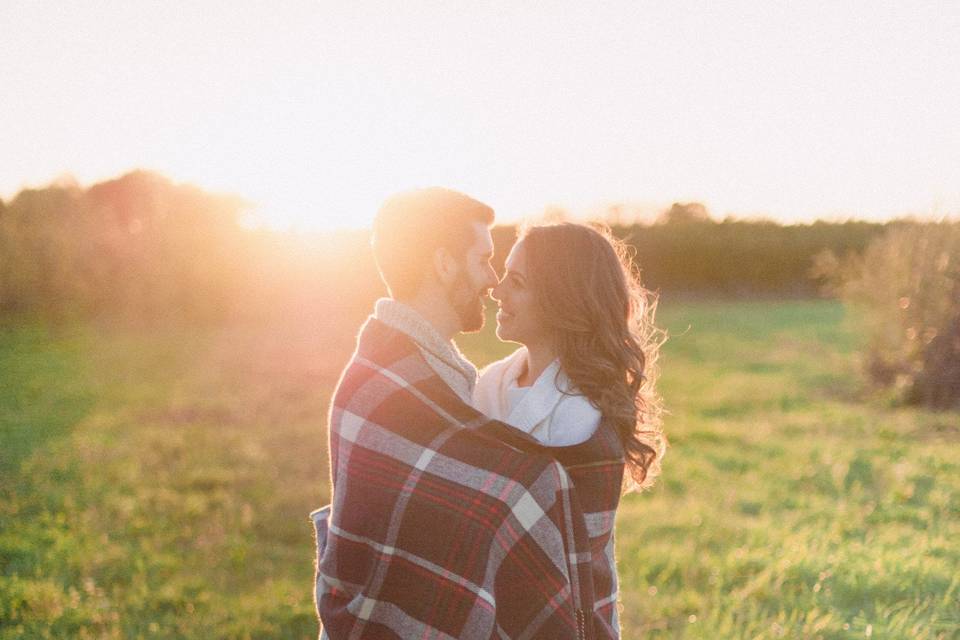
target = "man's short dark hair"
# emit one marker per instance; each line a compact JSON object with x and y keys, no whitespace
{"x":412,"y":225}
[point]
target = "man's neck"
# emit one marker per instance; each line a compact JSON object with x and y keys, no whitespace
{"x":539,"y":357}
{"x":443,"y":319}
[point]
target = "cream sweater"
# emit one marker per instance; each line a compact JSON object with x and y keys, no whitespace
{"x":544,"y":411}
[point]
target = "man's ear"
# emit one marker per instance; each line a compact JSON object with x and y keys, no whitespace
{"x":445,"y":266}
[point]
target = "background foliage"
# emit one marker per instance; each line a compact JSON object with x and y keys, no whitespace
{"x":141,"y":248}
{"x":905,"y":294}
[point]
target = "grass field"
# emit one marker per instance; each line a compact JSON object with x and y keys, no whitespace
{"x":158,"y":484}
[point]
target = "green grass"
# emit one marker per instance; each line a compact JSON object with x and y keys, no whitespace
{"x":176,"y":504}
{"x":791,"y":503}
{"x":157,"y":484}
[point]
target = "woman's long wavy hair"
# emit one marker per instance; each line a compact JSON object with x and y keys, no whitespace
{"x":601,"y":322}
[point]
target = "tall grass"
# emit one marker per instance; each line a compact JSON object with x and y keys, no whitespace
{"x":161,"y":481}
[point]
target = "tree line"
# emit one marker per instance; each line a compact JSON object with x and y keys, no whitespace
{"x":143,"y":248}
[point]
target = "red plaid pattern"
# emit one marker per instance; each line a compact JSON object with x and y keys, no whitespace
{"x":445,"y":524}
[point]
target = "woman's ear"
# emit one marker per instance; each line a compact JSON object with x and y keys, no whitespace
{"x":445,"y":266}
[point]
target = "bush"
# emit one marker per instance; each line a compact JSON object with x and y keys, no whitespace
{"x":905,"y":294}
{"x":144,"y":249}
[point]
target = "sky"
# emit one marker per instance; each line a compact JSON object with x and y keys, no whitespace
{"x":316,"y":111}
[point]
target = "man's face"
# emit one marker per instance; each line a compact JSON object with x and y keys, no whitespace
{"x":474,"y":280}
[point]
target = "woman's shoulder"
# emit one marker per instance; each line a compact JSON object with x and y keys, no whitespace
{"x":573,"y":404}
{"x":576,"y":408}
{"x":574,"y":420}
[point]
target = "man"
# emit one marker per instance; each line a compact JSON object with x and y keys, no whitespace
{"x":443,"y":524}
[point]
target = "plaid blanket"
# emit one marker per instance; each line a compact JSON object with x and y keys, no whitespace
{"x":445,"y":524}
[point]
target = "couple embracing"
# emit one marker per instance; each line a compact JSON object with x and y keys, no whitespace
{"x":482,"y":506}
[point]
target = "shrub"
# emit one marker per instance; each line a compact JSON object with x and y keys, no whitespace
{"x":904,"y":291}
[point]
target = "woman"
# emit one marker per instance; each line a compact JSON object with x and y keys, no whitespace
{"x":583,"y":381}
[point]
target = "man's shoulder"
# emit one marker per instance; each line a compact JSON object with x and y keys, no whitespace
{"x":379,"y":342}
{"x":372,"y":365}
{"x":394,"y":372}
{"x":378,"y":348}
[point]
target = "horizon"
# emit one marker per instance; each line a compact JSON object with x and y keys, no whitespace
{"x":317,"y":112}
{"x":636,"y":215}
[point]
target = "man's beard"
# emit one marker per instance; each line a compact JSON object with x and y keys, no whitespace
{"x":467,"y":302}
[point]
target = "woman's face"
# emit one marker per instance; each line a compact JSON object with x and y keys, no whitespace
{"x":517,"y":319}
